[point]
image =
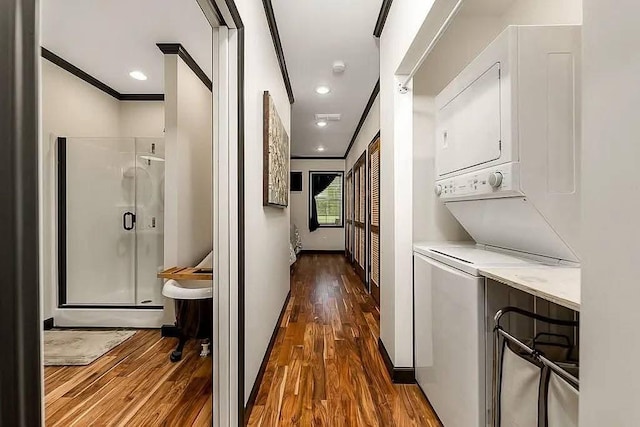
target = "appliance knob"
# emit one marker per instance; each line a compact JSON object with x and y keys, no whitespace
{"x":438,"y":190}
{"x":495,"y":179}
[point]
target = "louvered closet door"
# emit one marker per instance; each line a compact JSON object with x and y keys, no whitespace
{"x":349,"y":214}
{"x":360,"y":196}
{"x":374,"y":219}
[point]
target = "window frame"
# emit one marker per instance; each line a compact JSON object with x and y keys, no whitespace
{"x":310,"y":194}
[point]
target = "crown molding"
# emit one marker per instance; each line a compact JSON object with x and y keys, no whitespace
{"x":178,"y":49}
{"x":382,"y":17}
{"x":275,"y":36}
{"x":365,"y":113}
{"x":86,"y":77}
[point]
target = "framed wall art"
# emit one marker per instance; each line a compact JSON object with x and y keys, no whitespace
{"x":275,"y":158}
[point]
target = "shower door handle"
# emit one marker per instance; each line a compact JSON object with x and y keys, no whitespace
{"x":132,"y":221}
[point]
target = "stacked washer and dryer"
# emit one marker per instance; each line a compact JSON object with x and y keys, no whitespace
{"x":507,"y":167}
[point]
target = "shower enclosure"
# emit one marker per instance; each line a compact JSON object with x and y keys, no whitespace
{"x":110,"y":222}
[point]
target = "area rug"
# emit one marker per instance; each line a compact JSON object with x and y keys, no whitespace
{"x":79,"y":348}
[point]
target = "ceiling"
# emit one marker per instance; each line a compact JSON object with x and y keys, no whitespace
{"x":314,"y":34}
{"x":486,"y":7}
{"x":110,"y":38}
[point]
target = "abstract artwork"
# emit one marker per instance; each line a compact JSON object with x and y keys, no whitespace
{"x":276,"y":157}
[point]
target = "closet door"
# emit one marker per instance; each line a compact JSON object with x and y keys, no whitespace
{"x":374,"y":219}
{"x":349,"y":216}
{"x":360,"y":214}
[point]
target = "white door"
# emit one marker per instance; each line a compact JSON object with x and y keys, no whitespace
{"x":449,"y":341}
{"x":468,"y":126}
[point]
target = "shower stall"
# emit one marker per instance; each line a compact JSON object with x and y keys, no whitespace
{"x":110,"y":215}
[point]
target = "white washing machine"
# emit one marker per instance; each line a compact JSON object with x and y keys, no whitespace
{"x":450,"y":339}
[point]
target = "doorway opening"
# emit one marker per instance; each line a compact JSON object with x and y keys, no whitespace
{"x":26,"y":261}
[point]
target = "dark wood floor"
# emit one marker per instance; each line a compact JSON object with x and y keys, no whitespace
{"x":134,"y":384}
{"x":325,"y":368}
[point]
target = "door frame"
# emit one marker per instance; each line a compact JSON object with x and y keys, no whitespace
{"x":348,"y":208}
{"x":21,"y":371}
{"x":362,"y":271}
{"x":229,"y":204}
{"x":375,"y":142}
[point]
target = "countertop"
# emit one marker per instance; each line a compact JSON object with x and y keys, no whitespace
{"x":186,"y":273}
{"x":558,"y":284}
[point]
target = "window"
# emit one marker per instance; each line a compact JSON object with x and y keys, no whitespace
{"x":327,"y":193}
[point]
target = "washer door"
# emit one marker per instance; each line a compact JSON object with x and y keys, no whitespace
{"x":449,"y":341}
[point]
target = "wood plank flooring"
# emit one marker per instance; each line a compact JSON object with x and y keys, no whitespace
{"x":325,"y":368}
{"x":134,"y":384}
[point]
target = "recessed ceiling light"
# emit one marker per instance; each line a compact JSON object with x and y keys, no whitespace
{"x":321,"y":148}
{"x":138,"y":75}
{"x":323,"y":90}
{"x":321,"y":123}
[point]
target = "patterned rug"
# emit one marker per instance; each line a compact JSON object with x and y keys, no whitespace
{"x":79,"y":348}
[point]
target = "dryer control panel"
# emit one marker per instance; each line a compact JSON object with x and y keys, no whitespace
{"x":497,"y":181}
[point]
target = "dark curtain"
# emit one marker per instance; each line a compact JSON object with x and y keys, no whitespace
{"x":319,"y":183}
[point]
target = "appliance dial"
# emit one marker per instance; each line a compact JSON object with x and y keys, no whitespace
{"x":438,"y":190}
{"x":495,"y":179}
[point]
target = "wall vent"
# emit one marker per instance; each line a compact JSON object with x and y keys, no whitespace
{"x":329,"y":117}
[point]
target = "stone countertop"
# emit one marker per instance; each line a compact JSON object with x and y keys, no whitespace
{"x":558,"y":284}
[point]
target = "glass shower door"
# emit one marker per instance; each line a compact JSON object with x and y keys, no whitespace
{"x":111,"y":221}
{"x":96,"y":213}
{"x":150,"y":220}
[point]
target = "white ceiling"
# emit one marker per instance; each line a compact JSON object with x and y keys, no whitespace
{"x":110,"y":38}
{"x":486,"y":7}
{"x":314,"y":34}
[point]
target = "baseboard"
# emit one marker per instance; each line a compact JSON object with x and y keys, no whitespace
{"x":48,"y":324}
{"x":170,"y":331}
{"x":398,"y":375}
{"x":321,"y":251}
{"x":263,"y":366}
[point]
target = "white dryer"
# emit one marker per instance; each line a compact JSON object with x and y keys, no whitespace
{"x":450,"y":339}
{"x":508,"y":142}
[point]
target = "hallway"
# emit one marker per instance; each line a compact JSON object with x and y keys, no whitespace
{"x":325,"y":368}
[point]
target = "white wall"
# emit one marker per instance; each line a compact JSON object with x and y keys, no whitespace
{"x":548,"y":12}
{"x":72,"y":107}
{"x":405,"y":165}
{"x":266,"y":228}
{"x":368,"y":131}
{"x":323,"y":238}
{"x":141,"y":118}
{"x":188,"y":168}
{"x":609,"y":382}
{"x":396,"y":176}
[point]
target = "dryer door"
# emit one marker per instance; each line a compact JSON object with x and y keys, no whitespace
{"x":468,"y":126}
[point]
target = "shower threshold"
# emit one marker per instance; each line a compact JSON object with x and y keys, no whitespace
{"x":109,"y":316}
